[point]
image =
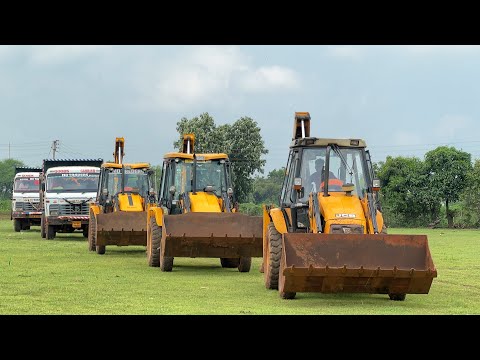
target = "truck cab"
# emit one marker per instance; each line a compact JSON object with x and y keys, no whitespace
{"x":26,"y":209}
{"x":66,"y":194}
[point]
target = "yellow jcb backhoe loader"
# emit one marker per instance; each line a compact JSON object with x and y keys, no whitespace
{"x":328,"y":235}
{"x":118,"y":215}
{"x":197,"y":213}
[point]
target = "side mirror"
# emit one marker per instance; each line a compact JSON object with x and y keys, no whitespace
{"x":230,"y":191}
{"x":297,"y":184}
{"x":376,"y":184}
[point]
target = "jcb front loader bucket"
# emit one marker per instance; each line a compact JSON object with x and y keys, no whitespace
{"x":332,"y":263}
{"x":122,"y":228}
{"x":208,"y":234}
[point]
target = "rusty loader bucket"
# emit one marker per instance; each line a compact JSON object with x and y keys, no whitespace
{"x":348,"y":263}
{"x":208,"y":234}
{"x":122,"y":228}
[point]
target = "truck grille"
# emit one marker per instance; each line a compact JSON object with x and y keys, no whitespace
{"x":69,"y":209}
{"x":346,"y":229}
{"x":27,"y":206}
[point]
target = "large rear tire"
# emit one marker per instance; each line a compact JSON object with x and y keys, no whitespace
{"x":245,"y":263}
{"x":43,"y":234}
{"x":271,"y":257}
{"x":17,"y":225}
{"x":153,"y":243}
{"x":92,"y":232}
{"x":230,"y":262}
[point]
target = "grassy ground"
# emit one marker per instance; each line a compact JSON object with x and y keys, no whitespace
{"x":60,"y":276}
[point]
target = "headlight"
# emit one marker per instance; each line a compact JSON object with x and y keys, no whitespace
{"x":54,"y":212}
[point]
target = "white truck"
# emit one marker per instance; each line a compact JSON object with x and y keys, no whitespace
{"x":67,"y":187}
{"x":26,"y":209}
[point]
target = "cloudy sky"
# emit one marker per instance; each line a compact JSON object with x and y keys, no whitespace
{"x":403,"y":100}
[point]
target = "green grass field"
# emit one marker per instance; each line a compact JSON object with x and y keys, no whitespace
{"x":60,"y":276}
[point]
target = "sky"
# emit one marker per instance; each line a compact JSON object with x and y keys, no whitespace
{"x":403,"y":100}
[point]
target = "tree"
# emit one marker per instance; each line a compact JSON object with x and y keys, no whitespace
{"x":267,"y":190}
{"x":7,"y":174}
{"x":408,"y":198}
{"x":471,"y":195}
{"x":447,"y":168}
{"x":241,"y":141}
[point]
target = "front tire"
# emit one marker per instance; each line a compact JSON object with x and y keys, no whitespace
{"x":397,"y":297}
{"x":51,"y":232}
{"x":17,"y":225}
{"x":92,"y":232}
{"x":230,"y":263}
{"x":271,"y":257}
{"x":245,"y":264}
{"x":153,"y":243}
{"x":100,"y":249}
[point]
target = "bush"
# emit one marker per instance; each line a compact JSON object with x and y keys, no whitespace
{"x":251,"y":209}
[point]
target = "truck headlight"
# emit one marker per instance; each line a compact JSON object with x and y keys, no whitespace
{"x":54,"y":212}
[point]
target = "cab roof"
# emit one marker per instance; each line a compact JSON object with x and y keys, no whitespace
{"x":323,"y":142}
{"x":180,"y":155}
{"x":130,"y":165}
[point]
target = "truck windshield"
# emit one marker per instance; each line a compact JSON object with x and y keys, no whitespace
{"x":72,"y":182}
{"x":26,"y":184}
{"x":208,"y":172}
{"x":136,"y":180}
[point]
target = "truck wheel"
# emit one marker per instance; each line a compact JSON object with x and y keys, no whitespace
{"x":230,"y":262}
{"x":92,"y":232}
{"x":397,"y":297}
{"x":50,"y":232}
{"x":42,"y":227}
{"x":100,"y":249}
{"x":17,"y":225}
{"x":272,"y":257}
{"x":244,"y":264}
{"x":153,"y":243}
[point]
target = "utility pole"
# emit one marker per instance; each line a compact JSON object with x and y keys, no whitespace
{"x":9,"y":150}
{"x":54,"y":147}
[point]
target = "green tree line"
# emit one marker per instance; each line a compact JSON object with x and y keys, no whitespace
{"x":442,"y":190}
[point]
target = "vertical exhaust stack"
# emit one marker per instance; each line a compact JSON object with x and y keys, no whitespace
{"x":188,"y":143}
{"x":301,"y":125}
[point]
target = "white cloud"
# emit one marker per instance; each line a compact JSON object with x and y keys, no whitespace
{"x":270,"y":78}
{"x":451,"y":125}
{"x":57,"y":54}
{"x":346,"y":51}
{"x":208,"y":75}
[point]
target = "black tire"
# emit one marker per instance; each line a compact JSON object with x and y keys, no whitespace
{"x":274,"y":253}
{"x":397,"y":297}
{"x":43,"y":234}
{"x":85,"y":232}
{"x":92,"y":232}
{"x":245,"y":264}
{"x":26,"y":226}
{"x":100,"y":249}
{"x":288,"y":295}
{"x":153,"y":243}
{"x":51,"y":232}
{"x":17,"y":225}
{"x":230,"y":263}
